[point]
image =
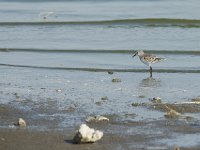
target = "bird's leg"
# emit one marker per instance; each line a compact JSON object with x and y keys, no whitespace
{"x":150,"y":71}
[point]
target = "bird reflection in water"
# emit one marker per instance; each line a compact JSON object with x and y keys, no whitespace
{"x":150,"y":82}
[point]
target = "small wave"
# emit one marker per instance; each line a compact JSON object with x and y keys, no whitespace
{"x":27,"y":50}
{"x":177,"y":70}
{"x":152,"y":22}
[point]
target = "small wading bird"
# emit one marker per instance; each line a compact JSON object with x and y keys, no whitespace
{"x":44,"y":15}
{"x":148,"y":59}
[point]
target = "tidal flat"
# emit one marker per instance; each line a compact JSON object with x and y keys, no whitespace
{"x":55,"y":103}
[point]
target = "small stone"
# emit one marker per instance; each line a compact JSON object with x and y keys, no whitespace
{"x":189,"y":118}
{"x":104,"y":98}
{"x":172,"y":114}
{"x":196,"y":99}
{"x":87,"y":135}
{"x":156,"y":100}
{"x":130,"y":115}
{"x":96,"y":118}
{"x":71,"y":109}
{"x":116,"y":80}
{"x":141,"y":96}
{"x":16,"y":95}
{"x":21,"y":122}
{"x":136,"y":104}
{"x":98,"y":103}
{"x":110,"y":72}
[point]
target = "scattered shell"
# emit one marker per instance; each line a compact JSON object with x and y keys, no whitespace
{"x":21,"y":122}
{"x":172,"y":114}
{"x":156,"y":100}
{"x":87,"y":135}
{"x":58,"y":90}
{"x":96,"y":118}
{"x":116,"y":80}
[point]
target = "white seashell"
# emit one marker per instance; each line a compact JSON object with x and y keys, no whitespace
{"x":87,"y":135}
{"x":22,"y":122}
{"x":96,"y":118}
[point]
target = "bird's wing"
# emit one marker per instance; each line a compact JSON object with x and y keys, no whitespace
{"x":152,"y":59}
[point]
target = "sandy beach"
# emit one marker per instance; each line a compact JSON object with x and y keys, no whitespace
{"x":29,"y":138}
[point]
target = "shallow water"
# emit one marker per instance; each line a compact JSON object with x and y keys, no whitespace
{"x":94,"y":37}
{"x":98,"y":61}
{"x":100,"y":25}
{"x":67,"y":88}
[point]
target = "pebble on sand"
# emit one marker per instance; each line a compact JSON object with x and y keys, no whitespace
{"x":98,"y":103}
{"x":156,"y":100}
{"x":116,"y":80}
{"x":196,"y":99}
{"x":141,"y":96}
{"x":110,"y":72}
{"x":17,"y":95}
{"x":172,"y":114}
{"x":21,"y":122}
{"x":87,"y":135}
{"x":104,"y":98}
{"x":96,"y":118}
{"x":176,"y":148}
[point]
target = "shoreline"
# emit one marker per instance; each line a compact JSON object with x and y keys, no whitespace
{"x":55,"y":104}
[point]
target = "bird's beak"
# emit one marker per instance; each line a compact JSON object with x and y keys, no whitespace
{"x":134,"y":54}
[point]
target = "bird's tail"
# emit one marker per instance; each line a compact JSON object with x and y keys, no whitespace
{"x":161,"y":59}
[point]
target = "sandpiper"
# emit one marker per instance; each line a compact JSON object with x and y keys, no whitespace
{"x":148,"y":59}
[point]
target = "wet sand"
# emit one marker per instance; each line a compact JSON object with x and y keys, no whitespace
{"x":141,"y":134}
{"x":30,"y":140}
{"x":27,"y":138}
{"x":54,"y":105}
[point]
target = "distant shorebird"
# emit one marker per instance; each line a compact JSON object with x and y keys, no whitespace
{"x":44,"y":15}
{"x":148,"y":59}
